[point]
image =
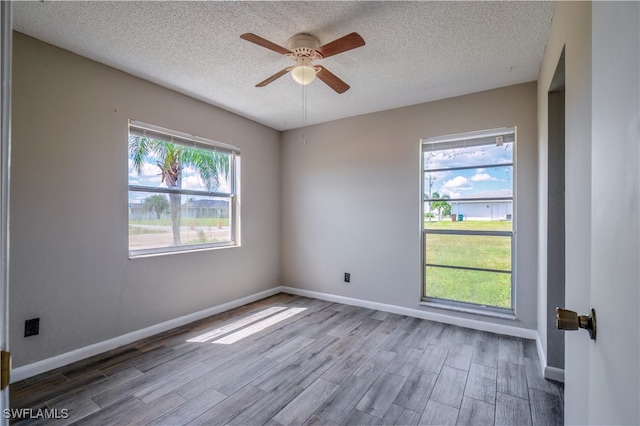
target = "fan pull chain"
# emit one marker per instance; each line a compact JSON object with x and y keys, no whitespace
{"x":304,"y":113}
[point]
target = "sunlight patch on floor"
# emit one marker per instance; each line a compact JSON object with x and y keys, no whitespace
{"x":259,"y":326}
{"x":235,"y":325}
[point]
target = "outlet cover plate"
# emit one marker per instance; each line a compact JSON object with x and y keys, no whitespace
{"x":31,"y":327}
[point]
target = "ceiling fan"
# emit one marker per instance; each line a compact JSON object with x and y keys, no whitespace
{"x":304,"y":49}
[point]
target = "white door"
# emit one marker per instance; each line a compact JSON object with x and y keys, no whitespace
{"x":5,"y":139}
{"x":610,"y":379}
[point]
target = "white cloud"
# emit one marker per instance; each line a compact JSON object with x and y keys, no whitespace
{"x":460,"y":157}
{"x":480,"y":177}
{"x":192,"y":182}
{"x":452,"y":187}
{"x":191,"y":179}
{"x":452,"y":194}
{"x":456,"y":182}
{"x":436,"y":178}
{"x":146,"y":169}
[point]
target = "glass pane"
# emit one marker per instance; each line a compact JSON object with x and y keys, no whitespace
{"x":465,"y":223}
{"x":471,"y":251}
{"x":164,"y":220}
{"x":471,"y":156}
{"x":483,"y":288}
{"x":161,"y":164}
{"x":480,"y":182}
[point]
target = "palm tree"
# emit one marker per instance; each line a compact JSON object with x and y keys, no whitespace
{"x":441,"y":206}
{"x":171,"y":158}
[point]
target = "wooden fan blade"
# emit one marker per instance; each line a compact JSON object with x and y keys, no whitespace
{"x":274,"y":77}
{"x":331,"y":80}
{"x":264,"y":43}
{"x":348,"y":42}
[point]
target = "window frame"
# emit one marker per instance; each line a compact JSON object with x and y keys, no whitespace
{"x":476,"y":138}
{"x":167,"y":135}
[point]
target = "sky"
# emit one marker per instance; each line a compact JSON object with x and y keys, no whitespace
{"x":477,"y":182}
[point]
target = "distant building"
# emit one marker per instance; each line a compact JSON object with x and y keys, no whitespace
{"x":136,"y":211}
{"x":483,"y":210}
{"x":488,"y":209}
{"x":206,"y":208}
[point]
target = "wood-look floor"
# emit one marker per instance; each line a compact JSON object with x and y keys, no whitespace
{"x":328,"y":364}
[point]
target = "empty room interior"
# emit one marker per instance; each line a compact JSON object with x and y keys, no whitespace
{"x":320,"y":213}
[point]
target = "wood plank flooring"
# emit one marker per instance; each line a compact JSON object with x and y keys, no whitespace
{"x":304,"y":362}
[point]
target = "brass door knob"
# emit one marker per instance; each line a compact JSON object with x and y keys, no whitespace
{"x":570,"y":320}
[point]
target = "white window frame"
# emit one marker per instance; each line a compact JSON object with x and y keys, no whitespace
{"x":478,"y":138}
{"x":179,"y":138}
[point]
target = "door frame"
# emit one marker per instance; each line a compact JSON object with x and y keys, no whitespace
{"x":6,"y":28}
{"x":556,"y":230}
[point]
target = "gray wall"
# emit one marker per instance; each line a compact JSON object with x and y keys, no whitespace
{"x":69,"y":251}
{"x":351,"y":197}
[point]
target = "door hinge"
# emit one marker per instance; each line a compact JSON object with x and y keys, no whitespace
{"x":5,"y":369}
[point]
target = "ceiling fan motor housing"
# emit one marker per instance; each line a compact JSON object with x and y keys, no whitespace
{"x":303,"y":49}
{"x":303,"y":44}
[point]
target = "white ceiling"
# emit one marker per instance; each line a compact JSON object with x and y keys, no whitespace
{"x":415,"y":52}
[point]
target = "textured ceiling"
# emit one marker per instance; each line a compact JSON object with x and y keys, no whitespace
{"x":415,"y":51}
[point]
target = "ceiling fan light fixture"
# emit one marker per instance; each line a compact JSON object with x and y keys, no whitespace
{"x":303,"y":74}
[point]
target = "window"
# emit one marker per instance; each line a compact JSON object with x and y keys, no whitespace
{"x":183,"y":191}
{"x":467,"y":237}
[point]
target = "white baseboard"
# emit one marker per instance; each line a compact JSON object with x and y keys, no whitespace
{"x":30,"y":370}
{"x":541,"y":356}
{"x":418,"y":313}
{"x":551,"y":373}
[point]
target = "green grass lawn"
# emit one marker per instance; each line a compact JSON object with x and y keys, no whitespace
{"x":484,"y":288}
{"x":488,"y":252}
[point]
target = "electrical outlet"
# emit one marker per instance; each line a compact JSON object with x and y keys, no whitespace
{"x":31,"y":327}
{"x":347,"y":277}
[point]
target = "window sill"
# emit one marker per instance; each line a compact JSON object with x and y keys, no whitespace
{"x":469,"y":310}
{"x":152,"y":253}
